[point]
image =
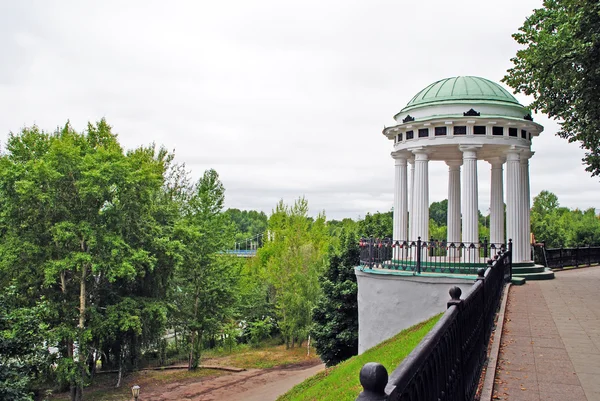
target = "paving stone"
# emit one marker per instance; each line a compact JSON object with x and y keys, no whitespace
{"x":561,"y":320}
{"x":548,"y":342}
{"x":558,"y":377}
{"x":590,"y":381}
{"x":584,"y":364}
{"x":592,"y":396}
{"x":561,"y":392}
{"x":543,"y":353}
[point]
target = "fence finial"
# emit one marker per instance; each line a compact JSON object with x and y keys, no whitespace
{"x":455,"y":293}
{"x":373,"y":378}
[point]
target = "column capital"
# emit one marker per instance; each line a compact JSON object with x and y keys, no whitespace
{"x":421,"y":153}
{"x":514,"y":152}
{"x":496,"y":162}
{"x":526,"y":154}
{"x":454,"y":164}
{"x":469,"y":148}
{"x":401,"y":156}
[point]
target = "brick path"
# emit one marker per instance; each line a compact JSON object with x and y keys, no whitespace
{"x":550,"y":348}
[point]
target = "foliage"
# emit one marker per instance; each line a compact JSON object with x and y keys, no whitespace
{"x":204,"y":295}
{"x":249,"y":225}
{"x":83,"y":225}
{"x":292,"y":261}
{"x":559,"y":66}
{"x":335,"y":317}
{"x":259,"y":330}
{"x":437,"y":232}
{"x":377,"y":225}
{"x":559,"y":226}
{"x":438,"y":212}
{"x":23,"y":357}
{"x":341,"y":382}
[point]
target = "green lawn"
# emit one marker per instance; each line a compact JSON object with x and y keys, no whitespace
{"x":341,"y":382}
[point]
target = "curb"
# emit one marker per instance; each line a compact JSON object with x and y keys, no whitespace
{"x":487,"y":390}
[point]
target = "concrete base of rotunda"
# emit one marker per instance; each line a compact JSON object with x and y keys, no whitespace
{"x":390,"y":301}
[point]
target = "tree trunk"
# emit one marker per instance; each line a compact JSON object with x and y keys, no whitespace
{"x":120,"y":368}
{"x":195,"y":337}
{"x":81,"y":327}
{"x":176,"y":343}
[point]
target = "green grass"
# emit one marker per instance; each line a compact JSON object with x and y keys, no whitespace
{"x":341,"y":382}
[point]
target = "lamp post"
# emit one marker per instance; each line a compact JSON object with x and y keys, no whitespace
{"x":135,"y":390}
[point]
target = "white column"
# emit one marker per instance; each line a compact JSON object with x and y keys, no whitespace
{"x":513,"y":203}
{"x":497,"y":201}
{"x":453,"y":201}
{"x":525,"y":205}
{"x":400,"y":197}
{"x":420,"y":205}
{"x":411,"y":192}
{"x":470,"y":206}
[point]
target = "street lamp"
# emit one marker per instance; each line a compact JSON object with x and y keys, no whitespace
{"x":135,"y":390}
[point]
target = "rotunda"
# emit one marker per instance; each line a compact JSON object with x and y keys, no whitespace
{"x":459,"y":121}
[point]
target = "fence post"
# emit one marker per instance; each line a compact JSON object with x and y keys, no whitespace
{"x":577,"y":256}
{"x":485,"y":248}
{"x":510,"y":257}
{"x":481,"y":277}
{"x":560,"y":256}
{"x":455,"y":293}
{"x":371,"y":255}
{"x":589,"y":255}
{"x":429,"y":248}
{"x":545,"y":256}
{"x":419,"y":255}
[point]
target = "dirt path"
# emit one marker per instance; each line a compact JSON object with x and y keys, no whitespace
{"x":250,"y":385}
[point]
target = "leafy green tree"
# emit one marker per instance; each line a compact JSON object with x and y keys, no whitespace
{"x":80,"y":227}
{"x":377,"y":225}
{"x":438,"y":212}
{"x":559,"y":68}
{"x":250,"y":226}
{"x":293,"y":259}
{"x":437,"y":232}
{"x":339,"y":228}
{"x":335,"y":316}
{"x":558,"y":226}
{"x":205,"y":292}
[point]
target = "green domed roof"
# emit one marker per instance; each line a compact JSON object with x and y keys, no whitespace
{"x":461,"y":89}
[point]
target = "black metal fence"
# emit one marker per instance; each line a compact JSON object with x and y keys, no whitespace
{"x":427,"y":256}
{"x":566,"y":257}
{"x":447,"y":363}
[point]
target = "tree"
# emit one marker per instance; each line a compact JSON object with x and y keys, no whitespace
{"x":83,"y":226}
{"x":335,"y":317}
{"x":558,"y":226}
{"x":559,"y":67}
{"x":250,"y":225}
{"x":378,"y":225}
{"x":293,"y":259}
{"x":204,"y":296}
{"x":438,"y":212}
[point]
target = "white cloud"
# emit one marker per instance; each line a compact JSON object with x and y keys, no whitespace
{"x":283,"y":99}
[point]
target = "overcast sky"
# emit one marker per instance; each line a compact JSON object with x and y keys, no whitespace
{"x":282,"y":98}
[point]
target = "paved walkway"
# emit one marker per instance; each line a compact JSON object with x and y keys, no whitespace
{"x":550,"y":347}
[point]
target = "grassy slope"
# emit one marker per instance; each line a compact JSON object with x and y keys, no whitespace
{"x":341,"y":381}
